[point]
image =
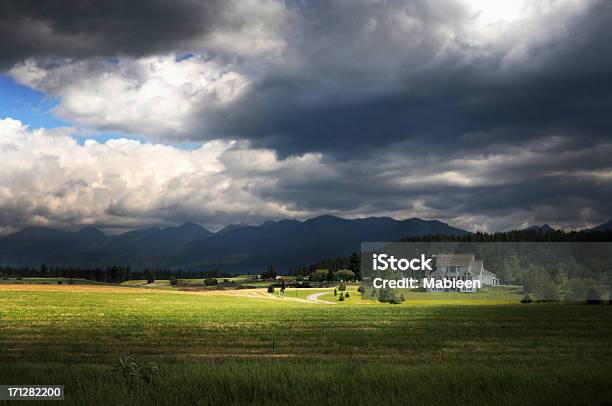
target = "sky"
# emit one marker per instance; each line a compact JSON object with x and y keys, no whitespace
{"x":485,"y":115}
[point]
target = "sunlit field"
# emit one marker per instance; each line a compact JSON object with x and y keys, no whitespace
{"x":240,"y":345}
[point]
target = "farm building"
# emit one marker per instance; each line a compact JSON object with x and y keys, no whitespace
{"x":461,"y":267}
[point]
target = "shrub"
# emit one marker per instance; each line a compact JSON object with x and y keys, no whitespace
{"x":270,"y":288}
{"x":540,"y":284}
{"x":361,"y":290}
{"x":269,"y":273}
{"x":389,"y":296}
{"x":347,"y":295}
{"x":527,"y":299}
{"x":335,"y":292}
{"x":320,"y":275}
{"x":578,"y":289}
{"x":593,"y":296}
{"x":211,"y":282}
{"x":345,"y":275}
{"x":341,"y":298}
{"x":342,"y":287}
{"x":173,"y":280}
{"x":136,"y":373}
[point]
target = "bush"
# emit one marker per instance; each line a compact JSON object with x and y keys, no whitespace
{"x":341,"y":298}
{"x":527,"y":299}
{"x":269,"y":273}
{"x":577,"y":290}
{"x":540,"y":284}
{"x":390,"y":296}
{"x":136,"y":373}
{"x":335,"y":292}
{"x":173,"y":280}
{"x":347,"y":295}
{"x":345,"y":275}
{"x":320,"y":275}
{"x":211,"y":282}
{"x":342,"y":287}
{"x":270,"y":288}
{"x":361,"y":290}
{"x":593,"y":296}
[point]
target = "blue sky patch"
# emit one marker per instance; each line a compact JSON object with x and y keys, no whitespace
{"x":27,"y":105}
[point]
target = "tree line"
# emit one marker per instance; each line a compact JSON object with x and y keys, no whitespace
{"x":331,"y":269}
{"x":550,"y":235}
{"x":111,"y":274}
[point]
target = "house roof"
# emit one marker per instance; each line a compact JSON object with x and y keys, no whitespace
{"x":488,"y":273}
{"x":454,"y":259}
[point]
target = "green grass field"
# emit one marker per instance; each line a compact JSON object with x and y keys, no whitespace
{"x":245,"y":346}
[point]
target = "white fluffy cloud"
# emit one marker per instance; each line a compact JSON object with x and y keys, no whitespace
{"x":156,"y":96}
{"x":47,"y":178}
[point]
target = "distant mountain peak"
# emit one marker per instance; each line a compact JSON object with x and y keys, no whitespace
{"x":189,"y":226}
{"x":232,"y":227}
{"x":90,"y":232}
{"x":605,"y":226}
{"x":543,"y":229}
{"x":325,"y":217}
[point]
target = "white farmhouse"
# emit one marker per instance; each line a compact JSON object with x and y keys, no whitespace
{"x":461,"y":267}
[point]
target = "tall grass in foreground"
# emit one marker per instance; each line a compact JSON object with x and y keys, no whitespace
{"x":316,"y":382}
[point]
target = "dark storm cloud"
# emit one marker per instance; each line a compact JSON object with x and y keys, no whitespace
{"x":362,"y":91}
{"x":84,"y":28}
{"x":549,"y":180}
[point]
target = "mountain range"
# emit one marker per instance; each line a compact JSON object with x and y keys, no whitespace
{"x":236,"y":248}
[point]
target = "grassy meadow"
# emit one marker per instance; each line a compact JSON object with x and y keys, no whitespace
{"x":242,"y":346}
